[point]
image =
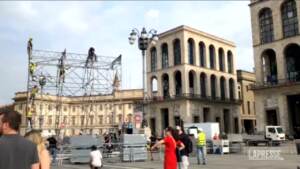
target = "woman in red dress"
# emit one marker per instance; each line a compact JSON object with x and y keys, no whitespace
{"x":170,"y":143}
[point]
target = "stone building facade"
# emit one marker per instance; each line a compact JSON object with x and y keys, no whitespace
{"x":87,"y":114}
{"x":191,"y":77}
{"x":276,"y":44}
{"x":248,"y":115}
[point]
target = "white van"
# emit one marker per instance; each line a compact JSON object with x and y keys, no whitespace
{"x":274,"y":133}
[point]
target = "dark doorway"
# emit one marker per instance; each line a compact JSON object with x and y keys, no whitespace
{"x":271,"y":117}
{"x":249,"y":126}
{"x":177,"y":120}
{"x":218,"y":120}
{"x":206,"y":117}
{"x":294,"y":114}
{"x":196,"y":119}
{"x":236,"y":125}
{"x":226,"y":117}
{"x":164,"y":118}
{"x":153,"y":125}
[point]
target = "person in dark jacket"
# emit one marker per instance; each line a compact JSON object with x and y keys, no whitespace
{"x":184,"y":153}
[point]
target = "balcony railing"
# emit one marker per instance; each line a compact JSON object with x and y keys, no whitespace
{"x":293,"y":78}
{"x":193,"y":96}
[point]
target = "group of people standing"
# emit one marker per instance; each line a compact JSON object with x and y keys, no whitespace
{"x":178,"y":147}
{"x":18,"y":152}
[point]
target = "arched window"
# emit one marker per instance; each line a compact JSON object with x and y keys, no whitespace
{"x":192,"y":85}
{"x":221,"y":59}
{"x":191,"y":51}
{"x":153,"y":59}
{"x":154,"y":84}
{"x":164,"y":56}
{"x":202,"y":54}
{"x":229,"y":62}
{"x":269,"y":66}
{"x":178,"y":83}
{"x":292,"y":58}
{"x":165,"y":85}
{"x":213,"y":86}
{"x":177,"y":52}
{"x":222,"y":88}
{"x":203,"y":84}
{"x":266,"y":25}
{"x":231,"y":89}
{"x":212,"y":56}
{"x":289,"y":18}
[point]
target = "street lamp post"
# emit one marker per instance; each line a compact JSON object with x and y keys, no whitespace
{"x":144,"y":39}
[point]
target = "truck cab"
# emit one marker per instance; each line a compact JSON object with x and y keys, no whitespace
{"x":274,"y":133}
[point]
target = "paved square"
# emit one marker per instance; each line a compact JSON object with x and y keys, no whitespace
{"x":238,"y":161}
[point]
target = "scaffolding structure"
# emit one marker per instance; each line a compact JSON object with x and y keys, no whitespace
{"x":64,"y":74}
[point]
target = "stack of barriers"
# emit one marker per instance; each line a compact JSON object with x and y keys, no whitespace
{"x":134,"y":147}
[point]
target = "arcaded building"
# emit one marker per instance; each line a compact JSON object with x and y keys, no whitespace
{"x":75,"y":114}
{"x":276,"y":43}
{"x":191,"y":77}
{"x":248,"y":115}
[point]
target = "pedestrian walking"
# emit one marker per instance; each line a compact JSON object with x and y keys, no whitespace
{"x":96,"y":158}
{"x":170,"y":161}
{"x":201,"y":147}
{"x":52,"y":148}
{"x":184,"y":153}
{"x":16,"y":152}
{"x":35,"y":137}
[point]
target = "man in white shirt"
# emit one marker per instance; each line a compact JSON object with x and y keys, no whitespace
{"x":96,"y":158}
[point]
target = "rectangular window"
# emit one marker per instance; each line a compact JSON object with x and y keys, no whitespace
{"x":49,"y":120}
{"x":248,"y":105}
{"x":91,"y":120}
{"x":101,"y":119}
{"x":73,"y":120}
{"x":65,"y":119}
{"x":82,"y":120}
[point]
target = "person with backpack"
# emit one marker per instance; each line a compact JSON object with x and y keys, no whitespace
{"x":184,"y":153}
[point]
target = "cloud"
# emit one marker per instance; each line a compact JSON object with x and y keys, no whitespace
{"x":152,"y":13}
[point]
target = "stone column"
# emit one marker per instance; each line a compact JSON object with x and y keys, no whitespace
{"x":226,"y":88}
{"x":170,"y":54}
{"x":171,"y":84}
{"x":281,"y":63}
{"x":184,"y":81}
{"x":218,"y":93}
{"x":196,"y":54}
{"x":208,"y":85}
{"x":197,"y":83}
{"x":217,"y":58}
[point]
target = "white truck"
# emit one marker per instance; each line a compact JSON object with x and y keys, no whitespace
{"x":210,"y":129}
{"x":273,"y":135}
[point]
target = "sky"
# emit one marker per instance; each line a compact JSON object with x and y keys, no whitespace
{"x":106,"y":25}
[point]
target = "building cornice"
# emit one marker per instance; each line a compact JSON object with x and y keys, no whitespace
{"x":196,"y":31}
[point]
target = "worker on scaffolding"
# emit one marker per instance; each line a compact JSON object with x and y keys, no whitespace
{"x":29,"y":47}
{"x":92,"y":57}
{"x":29,"y":116}
{"x":33,"y":93}
{"x":61,"y":67}
{"x":32,"y":68}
